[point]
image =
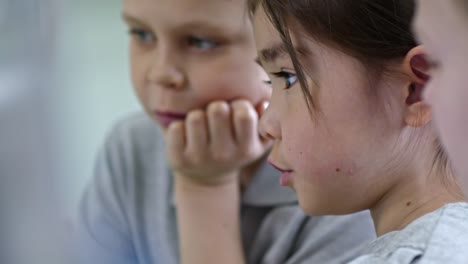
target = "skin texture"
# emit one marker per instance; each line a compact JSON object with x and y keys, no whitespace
{"x":194,"y":59}
{"x":357,"y":149}
{"x":446,"y":40}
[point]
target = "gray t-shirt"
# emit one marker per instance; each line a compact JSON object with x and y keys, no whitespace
{"x":438,"y":237}
{"x":127,"y":214}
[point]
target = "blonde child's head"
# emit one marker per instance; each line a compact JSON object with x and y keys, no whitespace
{"x":188,"y":53}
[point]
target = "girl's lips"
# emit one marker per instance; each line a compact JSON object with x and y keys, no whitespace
{"x":286,"y":175}
{"x":166,"y":118}
{"x":277,"y":167}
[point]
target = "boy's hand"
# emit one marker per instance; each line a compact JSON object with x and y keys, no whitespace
{"x":211,"y":147}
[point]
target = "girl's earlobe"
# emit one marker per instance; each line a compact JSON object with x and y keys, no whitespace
{"x":418,"y":114}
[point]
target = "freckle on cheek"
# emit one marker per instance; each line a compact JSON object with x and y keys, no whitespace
{"x":332,"y":172}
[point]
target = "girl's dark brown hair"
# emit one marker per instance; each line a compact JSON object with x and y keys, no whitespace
{"x":375,"y":32}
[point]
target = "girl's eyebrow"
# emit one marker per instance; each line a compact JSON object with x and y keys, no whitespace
{"x":272,"y":53}
{"x":277,"y":50}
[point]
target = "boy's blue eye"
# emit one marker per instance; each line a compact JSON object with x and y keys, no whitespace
{"x":203,"y":44}
{"x":142,"y":36}
{"x":289,"y":78}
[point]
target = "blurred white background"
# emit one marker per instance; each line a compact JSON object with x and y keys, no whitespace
{"x":63,"y":83}
{"x":93,"y":85}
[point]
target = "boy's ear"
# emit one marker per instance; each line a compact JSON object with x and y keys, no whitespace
{"x":418,"y":113}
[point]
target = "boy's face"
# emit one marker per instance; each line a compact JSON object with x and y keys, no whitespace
{"x":441,"y":27}
{"x":188,"y":53}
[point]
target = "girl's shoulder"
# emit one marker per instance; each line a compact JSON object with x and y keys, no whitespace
{"x":449,"y":240}
{"x":437,"y":237}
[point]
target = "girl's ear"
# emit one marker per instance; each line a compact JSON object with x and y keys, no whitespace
{"x":418,"y":113}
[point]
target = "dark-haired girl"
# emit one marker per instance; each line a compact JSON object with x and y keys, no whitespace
{"x":351,"y":128}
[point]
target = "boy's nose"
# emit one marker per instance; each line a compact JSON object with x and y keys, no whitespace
{"x":170,"y":78}
{"x":166,"y":73}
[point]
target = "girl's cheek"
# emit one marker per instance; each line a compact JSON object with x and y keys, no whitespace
{"x":323,"y":158}
{"x":324,"y":172}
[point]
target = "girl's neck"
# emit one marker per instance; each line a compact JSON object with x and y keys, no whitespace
{"x":409,"y":200}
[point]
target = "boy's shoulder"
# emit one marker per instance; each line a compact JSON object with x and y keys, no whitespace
{"x":134,"y":148}
{"x":134,"y":132}
{"x":133,"y":153}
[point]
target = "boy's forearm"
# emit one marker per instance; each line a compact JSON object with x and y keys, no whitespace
{"x":208,"y":222}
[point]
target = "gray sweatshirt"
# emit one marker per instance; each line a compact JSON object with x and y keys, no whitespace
{"x":127,"y":214}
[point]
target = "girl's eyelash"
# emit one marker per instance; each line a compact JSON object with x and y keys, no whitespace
{"x":289,"y":77}
{"x":281,"y":74}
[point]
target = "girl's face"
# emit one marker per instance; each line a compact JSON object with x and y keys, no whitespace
{"x":337,"y":156}
{"x":188,"y":53}
{"x":441,"y":27}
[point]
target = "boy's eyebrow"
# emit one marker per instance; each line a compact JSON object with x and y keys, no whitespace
{"x":202,"y":25}
{"x":131,"y":19}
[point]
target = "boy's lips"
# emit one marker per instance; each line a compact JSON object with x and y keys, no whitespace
{"x":286,"y":175}
{"x":166,"y":118}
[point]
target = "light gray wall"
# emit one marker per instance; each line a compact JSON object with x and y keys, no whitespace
{"x":93,"y":84}
{"x":63,"y":83}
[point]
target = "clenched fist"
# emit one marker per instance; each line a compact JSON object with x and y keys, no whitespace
{"x":211,"y":146}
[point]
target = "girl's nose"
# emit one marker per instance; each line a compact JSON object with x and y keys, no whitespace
{"x":269,"y":127}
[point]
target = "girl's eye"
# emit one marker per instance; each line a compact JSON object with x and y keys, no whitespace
{"x":142,"y":36}
{"x":202,"y":44}
{"x":289,"y":78}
